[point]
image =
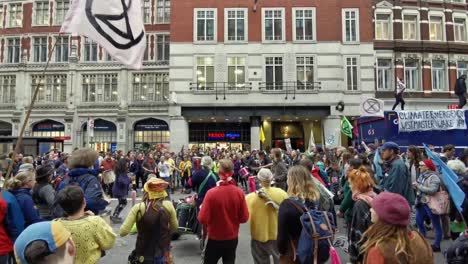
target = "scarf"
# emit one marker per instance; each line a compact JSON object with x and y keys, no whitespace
{"x":367,"y":197}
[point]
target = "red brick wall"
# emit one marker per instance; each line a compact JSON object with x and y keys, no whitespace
{"x":328,"y":16}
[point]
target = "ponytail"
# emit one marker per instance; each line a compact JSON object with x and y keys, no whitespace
{"x":19,"y":180}
{"x":13,"y":184}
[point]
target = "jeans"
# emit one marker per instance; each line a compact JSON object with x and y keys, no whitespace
{"x":461,"y":101}
{"x":261,"y":252}
{"x":399,"y":99}
{"x":216,"y":249}
{"x":160,"y":260}
{"x":421,"y":213}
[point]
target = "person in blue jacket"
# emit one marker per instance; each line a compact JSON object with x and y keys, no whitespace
{"x":82,"y":173}
{"x":20,"y":186}
{"x":204,"y":179}
{"x":14,"y":219}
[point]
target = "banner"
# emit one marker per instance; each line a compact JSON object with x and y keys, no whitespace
{"x":311,"y":140}
{"x":287,"y":142}
{"x":90,"y":127}
{"x":372,"y":107}
{"x":262,"y":135}
{"x":409,"y":121}
{"x":346,"y":127}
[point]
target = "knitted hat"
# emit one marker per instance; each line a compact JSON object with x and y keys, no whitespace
{"x":52,"y":232}
{"x":429,"y":164}
{"x":392,"y":208}
{"x":25,"y":167}
{"x":390,"y":145}
{"x":44,"y":171}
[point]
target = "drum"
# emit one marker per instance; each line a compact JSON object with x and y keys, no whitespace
{"x":108,"y":177}
{"x":244,"y":172}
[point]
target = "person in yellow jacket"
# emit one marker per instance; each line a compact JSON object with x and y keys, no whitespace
{"x":185,"y":168}
{"x":91,"y":234}
{"x":263,"y":209}
{"x":154,"y":215}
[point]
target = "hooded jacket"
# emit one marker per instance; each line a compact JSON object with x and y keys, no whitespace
{"x":397,"y":179}
{"x":6,"y":245}
{"x":14,"y":219}
{"x":428,"y":184}
{"x":26,"y":203}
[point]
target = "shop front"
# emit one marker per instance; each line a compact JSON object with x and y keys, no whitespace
{"x":6,"y":141}
{"x":219,"y":135}
{"x":292,"y":130}
{"x":104,"y":137}
{"x":49,"y":136}
{"x":151,"y":133}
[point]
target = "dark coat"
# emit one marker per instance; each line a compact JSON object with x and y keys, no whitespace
{"x":121,"y":186}
{"x":460,"y":86}
{"x":397,"y":179}
{"x":14,"y":220}
{"x":25,"y":201}
{"x":197,"y":180}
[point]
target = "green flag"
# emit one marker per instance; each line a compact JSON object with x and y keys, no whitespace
{"x":346,"y":127}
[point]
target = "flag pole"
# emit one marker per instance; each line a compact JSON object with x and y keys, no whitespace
{"x":28,"y":114}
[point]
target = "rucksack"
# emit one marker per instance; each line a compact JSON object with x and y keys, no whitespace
{"x":316,"y":236}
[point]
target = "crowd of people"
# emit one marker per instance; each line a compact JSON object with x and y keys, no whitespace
{"x":51,"y":206}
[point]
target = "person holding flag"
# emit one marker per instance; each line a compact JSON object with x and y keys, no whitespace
{"x":400,"y":89}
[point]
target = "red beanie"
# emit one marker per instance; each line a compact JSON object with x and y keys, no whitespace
{"x":430,"y":165}
{"x":392,"y":208}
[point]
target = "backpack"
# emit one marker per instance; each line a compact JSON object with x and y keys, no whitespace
{"x":317,"y":235}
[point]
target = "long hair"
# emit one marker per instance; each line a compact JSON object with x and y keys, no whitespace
{"x":360,"y":180}
{"x":380,"y":233}
{"x":121,"y":167}
{"x":416,"y":154}
{"x":301,"y":185}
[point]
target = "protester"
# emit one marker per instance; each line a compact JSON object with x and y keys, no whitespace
{"x":14,"y":219}
{"x":303,"y":191}
{"x":45,"y":243}
{"x":263,"y":209}
{"x":20,"y":186}
{"x":223,"y":210}
{"x":346,"y":207}
{"x":134,"y":167}
{"x":91,"y":234}
{"x":80,"y":174}
{"x":414,"y":157}
{"x":155,"y":219}
{"x":43,"y":193}
{"x":121,"y":188}
{"x":361,"y":184}
{"x":448,"y":153}
{"x":172,"y":167}
{"x":460,"y":90}
{"x":279,"y":170}
{"x":389,"y":240}
{"x":108,"y":176}
{"x":399,"y":91}
{"x":149,"y":167}
{"x":427,"y":185}
{"x":396,"y":175}
{"x":26,"y":167}
{"x":203,"y":180}
{"x":459,"y":220}
{"x":185,"y":167}
{"x":6,"y":243}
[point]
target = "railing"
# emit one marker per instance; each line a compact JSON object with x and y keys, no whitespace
{"x":289,"y":87}
{"x":220,"y":87}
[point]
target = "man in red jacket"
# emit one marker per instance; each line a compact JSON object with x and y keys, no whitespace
{"x":223,"y":210}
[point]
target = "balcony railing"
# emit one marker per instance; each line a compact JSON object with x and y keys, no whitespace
{"x":221,"y":87}
{"x":289,"y":87}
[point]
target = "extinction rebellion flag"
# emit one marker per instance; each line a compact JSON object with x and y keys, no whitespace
{"x":346,"y":127}
{"x":116,"y":25}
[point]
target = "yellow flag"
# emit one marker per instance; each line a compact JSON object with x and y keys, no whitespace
{"x":262,"y":135}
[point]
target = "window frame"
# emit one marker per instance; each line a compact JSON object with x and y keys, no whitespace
{"x":390,"y":70}
{"x":314,"y":24}
{"x":100,"y":86}
{"x":156,"y":44}
{"x":55,"y":39}
{"x":55,"y":22}
{"x":445,"y":75}
{"x":417,"y":24}
{"x":83,"y":50}
{"x":236,"y":65}
{"x":441,"y":15}
{"x":34,"y":13}
{"x":158,"y":94}
{"x":164,"y":9}
{"x":150,"y":20}
{"x":390,"y":23}
{"x":418,"y":70}
{"x":195,"y":75}
{"x":195,"y":25}
{"x":9,"y":15}
{"x":11,"y":89}
{"x":226,"y":25}
{"x":304,"y":65}
{"x":2,"y":14}
{"x":283,"y":25}
{"x":461,"y":71}
{"x":358,"y":72}
{"x":50,"y":86}
{"x":6,"y":50}
{"x":464,"y":17}
{"x":33,"y":47}
{"x":343,"y":25}
{"x":274,"y":85}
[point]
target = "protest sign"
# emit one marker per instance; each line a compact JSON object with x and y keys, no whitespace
{"x":409,"y":121}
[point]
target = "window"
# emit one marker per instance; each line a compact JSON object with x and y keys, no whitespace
{"x":7,"y":89}
{"x":15,"y":13}
{"x":150,"y":87}
{"x":274,"y":73}
{"x":352,"y":73}
{"x":350,"y":25}
{"x":100,"y":88}
{"x":40,"y":49}
{"x":410,"y":27}
{"x":273,"y":24}
{"x":62,"y":49}
{"x":206,"y":25}
{"x":412,"y":74}
{"x":205,"y":73}
{"x":382,"y":26}
{"x":41,"y":13}
{"x":90,"y":50}
{"x":61,"y":9}
{"x":14,"y":51}
{"x":384,"y":74}
{"x":162,"y":48}
{"x":163,"y":11}
{"x":146,"y":11}
{"x":438,"y":75}
{"x":52,"y":88}
{"x":459,"y":29}
{"x":2,"y":16}
{"x":462,"y":68}
{"x":436,"y":28}
{"x":236,"y":23}
{"x":305,"y":73}
{"x":146,"y":55}
{"x":106,"y":56}
{"x":304,"y":24}
{"x":236,"y":73}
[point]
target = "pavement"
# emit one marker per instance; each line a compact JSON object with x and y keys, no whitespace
{"x":186,"y":250}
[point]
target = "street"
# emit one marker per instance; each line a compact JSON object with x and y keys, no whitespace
{"x":186,"y":250}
